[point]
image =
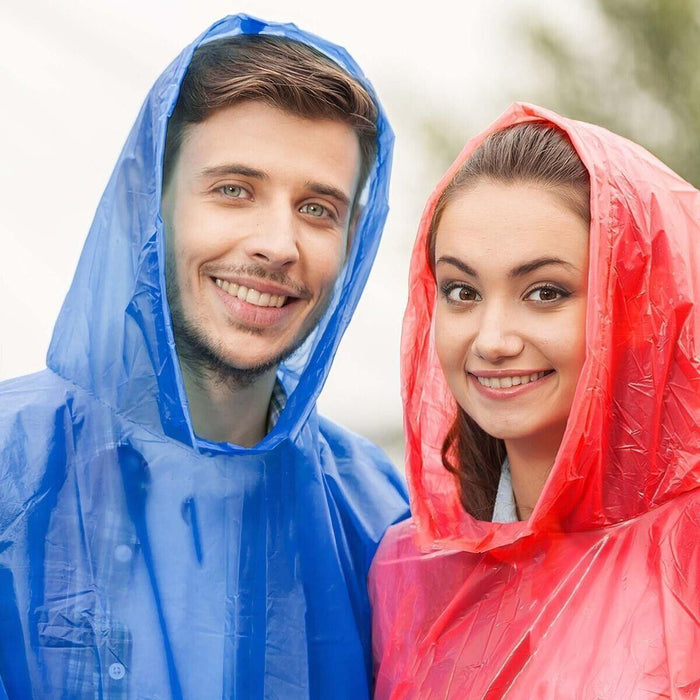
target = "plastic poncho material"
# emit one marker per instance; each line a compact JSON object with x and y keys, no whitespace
{"x":596,"y":595}
{"x":139,"y":561}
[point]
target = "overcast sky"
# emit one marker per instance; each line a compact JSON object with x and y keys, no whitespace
{"x":73,"y":76}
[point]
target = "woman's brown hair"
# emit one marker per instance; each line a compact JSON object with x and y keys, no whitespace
{"x":533,"y":152}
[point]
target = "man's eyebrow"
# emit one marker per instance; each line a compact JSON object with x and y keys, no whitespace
{"x":233,"y":169}
{"x":329,"y":191}
{"x":519,"y":271}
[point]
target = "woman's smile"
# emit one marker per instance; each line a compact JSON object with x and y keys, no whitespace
{"x":507,"y":381}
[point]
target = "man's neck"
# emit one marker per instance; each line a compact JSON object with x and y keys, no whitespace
{"x":225,"y":412}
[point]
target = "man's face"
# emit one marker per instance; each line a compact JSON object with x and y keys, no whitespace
{"x":256,"y":214}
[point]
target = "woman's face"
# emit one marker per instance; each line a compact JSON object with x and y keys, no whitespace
{"x":511,"y":262}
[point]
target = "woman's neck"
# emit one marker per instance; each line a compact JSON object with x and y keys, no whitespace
{"x":530,"y":462}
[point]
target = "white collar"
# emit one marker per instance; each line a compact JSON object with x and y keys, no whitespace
{"x":504,"y":510}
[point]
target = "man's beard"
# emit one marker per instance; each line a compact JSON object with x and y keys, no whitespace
{"x":205,"y":357}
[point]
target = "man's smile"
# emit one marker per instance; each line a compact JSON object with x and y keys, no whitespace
{"x":250,"y":295}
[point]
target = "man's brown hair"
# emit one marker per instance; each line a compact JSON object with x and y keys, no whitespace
{"x":280,"y":72}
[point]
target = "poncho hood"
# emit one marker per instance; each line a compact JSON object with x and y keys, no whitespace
{"x":632,"y":441}
{"x":114,"y":335}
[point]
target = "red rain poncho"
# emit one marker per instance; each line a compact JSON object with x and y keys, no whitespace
{"x":597,"y":595}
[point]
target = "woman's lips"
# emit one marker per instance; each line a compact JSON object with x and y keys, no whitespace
{"x":506,"y":382}
{"x":510,"y":384}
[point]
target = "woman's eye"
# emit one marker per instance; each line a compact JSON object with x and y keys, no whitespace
{"x":546,"y":294}
{"x":460,"y":292}
{"x":313,"y":209}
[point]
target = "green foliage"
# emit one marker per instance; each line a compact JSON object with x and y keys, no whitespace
{"x":638,"y":75}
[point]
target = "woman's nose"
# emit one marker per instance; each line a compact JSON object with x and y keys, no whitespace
{"x":497,"y":336}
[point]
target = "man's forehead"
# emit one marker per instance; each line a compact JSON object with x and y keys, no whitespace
{"x":256,"y":140}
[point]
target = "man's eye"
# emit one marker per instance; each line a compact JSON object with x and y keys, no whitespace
{"x":314,"y":210}
{"x":233,"y":191}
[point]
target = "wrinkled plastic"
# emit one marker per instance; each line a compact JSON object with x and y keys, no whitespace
{"x":137,"y":560}
{"x":596,"y":595}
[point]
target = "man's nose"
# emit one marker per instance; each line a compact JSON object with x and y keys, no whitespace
{"x":274,"y":239}
{"x":498,"y":336}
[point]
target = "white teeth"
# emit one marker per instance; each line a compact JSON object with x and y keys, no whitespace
{"x":251,"y":296}
{"x":507,"y":382}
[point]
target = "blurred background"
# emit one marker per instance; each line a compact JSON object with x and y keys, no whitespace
{"x":73,"y":76}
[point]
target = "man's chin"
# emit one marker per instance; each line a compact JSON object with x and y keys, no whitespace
{"x":208,"y":359}
{"x":206,"y":362}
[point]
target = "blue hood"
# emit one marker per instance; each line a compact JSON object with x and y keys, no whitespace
{"x":114,"y":335}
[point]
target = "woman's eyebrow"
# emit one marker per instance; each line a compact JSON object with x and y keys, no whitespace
{"x":456,"y":262}
{"x":519,"y":271}
{"x":532,"y":265}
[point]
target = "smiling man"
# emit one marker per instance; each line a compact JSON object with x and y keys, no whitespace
{"x":176,"y":519}
{"x":257,"y":231}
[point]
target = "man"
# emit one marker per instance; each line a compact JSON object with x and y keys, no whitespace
{"x":176,"y":520}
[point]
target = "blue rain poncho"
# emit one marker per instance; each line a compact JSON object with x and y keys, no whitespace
{"x":137,"y":560}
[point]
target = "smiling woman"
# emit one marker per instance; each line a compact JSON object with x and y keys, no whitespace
{"x":508,"y":244}
{"x":551,"y":390}
{"x":511,"y":263}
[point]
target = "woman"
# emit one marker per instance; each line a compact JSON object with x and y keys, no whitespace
{"x":551,"y":373}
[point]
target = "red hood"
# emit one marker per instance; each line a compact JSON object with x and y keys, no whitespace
{"x":633,"y":438}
